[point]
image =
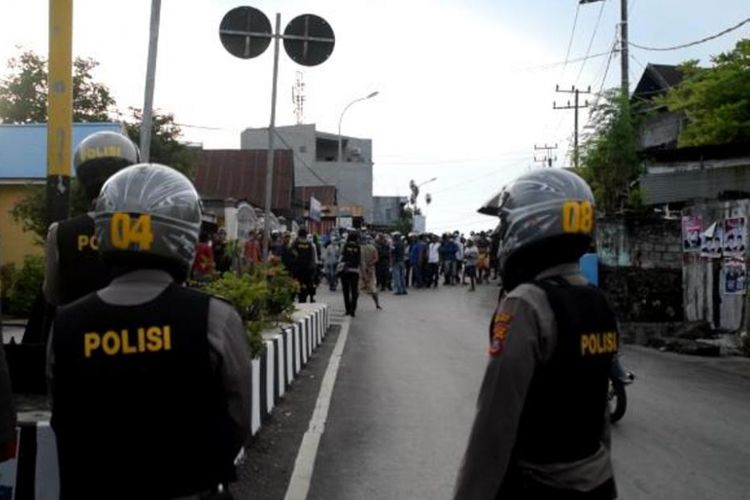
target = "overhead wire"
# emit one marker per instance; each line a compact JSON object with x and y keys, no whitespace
{"x":315,"y":174}
{"x":691,"y":44}
{"x":591,"y":42}
{"x":475,"y":179}
{"x":570,"y":41}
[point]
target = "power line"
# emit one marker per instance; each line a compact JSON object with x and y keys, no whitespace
{"x":570,"y":41}
{"x":591,"y":41}
{"x":560,"y":63}
{"x":308,"y":167}
{"x":448,"y":162}
{"x":697,"y":42}
{"x":483,"y":176}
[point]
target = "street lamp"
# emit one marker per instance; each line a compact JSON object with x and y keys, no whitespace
{"x":370,"y":96}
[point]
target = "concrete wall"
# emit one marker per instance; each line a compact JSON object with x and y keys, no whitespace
{"x":640,"y":242}
{"x":387,"y":209}
{"x":703,"y":278}
{"x":641,"y":268}
{"x":15,"y":243}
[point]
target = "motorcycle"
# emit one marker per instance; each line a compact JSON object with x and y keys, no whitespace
{"x":617,"y":398}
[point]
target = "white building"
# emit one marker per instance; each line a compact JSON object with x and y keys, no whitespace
{"x":316,"y":162}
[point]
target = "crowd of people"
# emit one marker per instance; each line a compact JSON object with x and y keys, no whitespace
{"x":381,"y":261}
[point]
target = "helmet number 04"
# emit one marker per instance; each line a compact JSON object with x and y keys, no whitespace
{"x":127,"y":231}
{"x":578,"y":217}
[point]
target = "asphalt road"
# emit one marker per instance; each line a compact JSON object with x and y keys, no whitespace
{"x":406,"y":388}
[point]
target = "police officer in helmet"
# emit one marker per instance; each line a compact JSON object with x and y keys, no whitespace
{"x":73,"y":264}
{"x":541,"y":422}
{"x":150,"y":380}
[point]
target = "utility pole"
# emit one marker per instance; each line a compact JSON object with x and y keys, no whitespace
{"x":59,"y":109}
{"x":548,"y":158}
{"x":148,"y":99}
{"x":575,"y":107}
{"x":624,"y":57}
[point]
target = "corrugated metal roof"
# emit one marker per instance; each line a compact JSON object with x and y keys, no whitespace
{"x":326,"y":195}
{"x":697,"y":184}
{"x":23,"y":147}
{"x":241,"y":174}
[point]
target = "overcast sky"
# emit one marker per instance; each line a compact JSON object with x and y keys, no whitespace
{"x":465,"y":86}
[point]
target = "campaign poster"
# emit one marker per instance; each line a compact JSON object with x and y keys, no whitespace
{"x":692,"y":225}
{"x":734,"y":277}
{"x":734,"y":237}
{"x":712,"y":241}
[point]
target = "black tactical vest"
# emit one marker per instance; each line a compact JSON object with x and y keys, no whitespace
{"x":137,"y":410}
{"x":81,"y":268}
{"x":563,"y":417}
{"x":303,"y":257}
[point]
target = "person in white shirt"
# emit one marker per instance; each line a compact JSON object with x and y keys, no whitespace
{"x":433,"y":262}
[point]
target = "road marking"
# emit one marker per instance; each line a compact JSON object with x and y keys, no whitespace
{"x":299,"y":485}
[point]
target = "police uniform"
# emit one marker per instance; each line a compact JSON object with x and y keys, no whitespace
{"x":304,"y":268}
{"x":555,"y":342}
{"x":148,"y":408}
{"x":73,"y":267}
{"x":150,"y":380}
{"x":541,"y":426}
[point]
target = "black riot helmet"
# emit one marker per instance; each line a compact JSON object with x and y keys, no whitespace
{"x":99,"y":156}
{"x":149,"y":216}
{"x":546,"y":218}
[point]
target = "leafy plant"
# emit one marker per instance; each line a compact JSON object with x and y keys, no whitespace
{"x":282,"y":289}
{"x":715,"y":101}
{"x":26,"y":286}
{"x":248,"y":296}
{"x":23,"y":93}
{"x":609,"y":161}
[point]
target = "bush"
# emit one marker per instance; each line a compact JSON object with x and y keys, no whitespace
{"x":282,"y":289}
{"x":745,"y":344}
{"x":248,"y":296}
{"x":7,"y":277}
{"x":263,"y":296}
{"x":26,"y":286}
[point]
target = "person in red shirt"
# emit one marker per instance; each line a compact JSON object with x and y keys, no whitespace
{"x":203,"y":265}
{"x":252,"y":252}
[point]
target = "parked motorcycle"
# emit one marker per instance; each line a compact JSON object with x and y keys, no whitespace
{"x":617,"y":397}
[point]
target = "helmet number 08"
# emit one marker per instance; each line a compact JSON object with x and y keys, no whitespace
{"x":578,"y":217}
{"x":126,"y":231}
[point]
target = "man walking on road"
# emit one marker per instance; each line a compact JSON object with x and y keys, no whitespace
{"x":351,"y":260}
{"x":433,"y":262}
{"x":542,"y":409}
{"x":304,"y":266}
{"x":367,"y":270}
{"x":397,"y":263}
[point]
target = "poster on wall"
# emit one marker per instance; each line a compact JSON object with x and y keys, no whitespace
{"x":734,"y":271}
{"x":692,"y":225}
{"x":735,"y":236}
{"x":712,"y":240}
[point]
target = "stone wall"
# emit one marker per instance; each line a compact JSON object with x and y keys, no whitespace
{"x":645,"y":243}
{"x":641,"y":268}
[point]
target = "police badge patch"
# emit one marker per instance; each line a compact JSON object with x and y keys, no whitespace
{"x":499,"y":332}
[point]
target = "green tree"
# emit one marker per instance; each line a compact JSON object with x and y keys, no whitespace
{"x":23,"y":93}
{"x":609,"y":161}
{"x":716,"y":101}
{"x":165,"y":145}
